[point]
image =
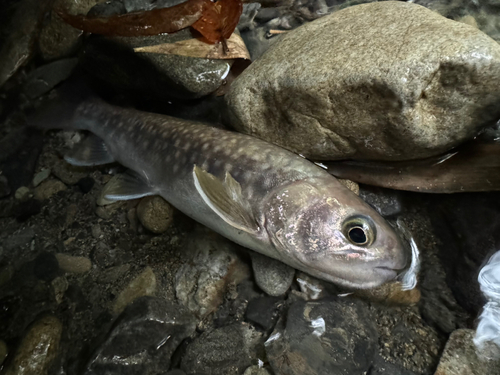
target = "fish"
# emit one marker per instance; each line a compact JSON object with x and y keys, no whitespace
{"x":257,"y":194}
{"x":472,"y":167}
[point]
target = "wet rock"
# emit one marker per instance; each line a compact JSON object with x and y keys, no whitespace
{"x":263,"y":312}
{"x":58,"y":39}
{"x":38,"y":349}
{"x":143,"y":285}
{"x":325,"y":337}
{"x":361,"y":90}
{"x":44,"y":78}
{"x":4,"y":187}
{"x":163,"y":77}
{"x":225,"y":351}
{"x":155,"y":214}
{"x":256,"y":370}
{"x":46,"y":267}
{"x":23,"y":194}
{"x":391,"y":293}
{"x":272,"y":276}
{"x":86,"y":184}
{"x":48,"y":188}
{"x":211,"y":265}
{"x":73,"y":264}
{"x":40,"y":177}
{"x":60,"y":285}
{"x":4,"y":350}
{"x":460,"y":357}
{"x":381,"y":367}
{"x":386,"y":202}
{"x":143,"y":339}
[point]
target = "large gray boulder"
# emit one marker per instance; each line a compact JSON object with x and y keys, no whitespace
{"x":387,"y":80}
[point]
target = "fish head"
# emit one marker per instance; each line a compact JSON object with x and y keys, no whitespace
{"x":329,"y":232}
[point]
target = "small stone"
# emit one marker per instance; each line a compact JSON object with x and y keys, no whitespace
{"x":351,"y":185}
{"x":226,"y":350}
{"x":73,"y":264}
{"x":143,"y":285}
{"x":22,"y":194}
{"x":391,"y":293}
{"x":96,"y":231}
{"x":60,"y":285}
{"x":155,"y":214}
{"x":103,"y":213}
{"x":4,"y":187}
{"x":41,"y":176}
{"x":46,"y":266}
{"x":48,"y":188}
{"x":4,"y":350}
{"x":461,"y":358}
{"x":38,"y":349}
{"x":272,"y":276}
{"x":256,"y":370}
{"x":86,"y":184}
{"x":143,"y":339}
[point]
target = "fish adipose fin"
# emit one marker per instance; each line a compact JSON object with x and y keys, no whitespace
{"x":125,"y":186}
{"x":92,"y":151}
{"x":225,"y":198}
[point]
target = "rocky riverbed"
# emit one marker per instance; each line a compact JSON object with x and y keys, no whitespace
{"x":136,"y":287}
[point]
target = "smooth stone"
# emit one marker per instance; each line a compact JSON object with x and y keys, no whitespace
{"x":60,"y":285}
{"x":263,"y":312}
{"x":4,"y":350}
{"x":57,"y":39}
{"x":211,"y":265}
{"x":22,"y":194}
{"x":272,"y":276}
{"x":48,"y":188}
{"x":38,"y":349}
{"x":330,"y":336}
{"x":40,"y":177}
{"x":143,"y":339}
{"x":224,"y":351}
{"x":443,"y":89}
{"x":73,"y":264}
{"x":44,"y":78}
{"x":386,"y":202}
{"x":142,"y":285}
{"x":460,"y":357}
{"x":155,"y":214}
{"x":4,"y":187}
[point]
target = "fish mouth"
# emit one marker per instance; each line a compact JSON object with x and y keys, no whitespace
{"x":387,"y":272}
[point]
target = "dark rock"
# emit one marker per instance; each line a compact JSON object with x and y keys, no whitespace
{"x":387,"y":202}
{"x":225,"y":351}
{"x":46,"y":267}
{"x":263,"y":312}
{"x":330,"y":336}
{"x":86,"y":184}
{"x":143,"y":339}
{"x":24,"y":210}
{"x":4,"y":187}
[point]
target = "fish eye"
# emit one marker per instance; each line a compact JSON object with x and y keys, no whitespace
{"x":359,"y":230}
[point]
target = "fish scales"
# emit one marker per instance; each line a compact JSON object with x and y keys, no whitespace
{"x":257,"y":194}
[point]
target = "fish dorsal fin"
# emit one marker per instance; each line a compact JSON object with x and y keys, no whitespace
{"x":125,"y":186}
{"x":225,"y":199}
{"x":91,"y":151}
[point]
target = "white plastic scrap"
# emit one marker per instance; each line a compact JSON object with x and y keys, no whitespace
{"x":271,"y":338}
{"x":311,"y":290}
{"x":487,"y":338}
{"x":319,"y":326}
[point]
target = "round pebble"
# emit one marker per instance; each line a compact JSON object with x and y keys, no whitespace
{"x":155,"y":214}
{"x":73,"y":264}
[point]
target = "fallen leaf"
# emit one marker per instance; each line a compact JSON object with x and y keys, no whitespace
{"x":219,"y":20}
{"x":236,"y":49}
{"x":152,"y":22}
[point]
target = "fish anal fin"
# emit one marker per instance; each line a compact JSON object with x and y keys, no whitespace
{"x":125,"y":186}
{"x":225,"y":199}
{"x":91,"y":151}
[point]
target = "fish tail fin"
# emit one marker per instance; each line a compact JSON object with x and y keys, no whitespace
{"x":64,"y":108}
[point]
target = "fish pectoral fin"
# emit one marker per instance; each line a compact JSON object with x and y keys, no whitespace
{"x":91,"y":151}
{"x":125,"y":186}
{"x":225,"y":198}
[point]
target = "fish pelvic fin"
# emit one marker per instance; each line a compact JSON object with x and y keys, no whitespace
{"x":125,"y":186}
{"x":92,"y":151}
{"x":226,"y":200}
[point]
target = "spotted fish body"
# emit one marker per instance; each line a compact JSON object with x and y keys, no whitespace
{"x":257,"y":194}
